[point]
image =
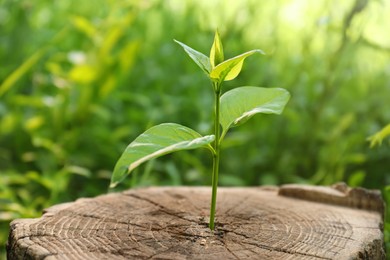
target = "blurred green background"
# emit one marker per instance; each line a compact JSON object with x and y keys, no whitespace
{"x":79,"y":80}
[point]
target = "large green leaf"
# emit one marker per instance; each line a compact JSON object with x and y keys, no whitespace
{"x":229,"y":69}
{"x":216,"y":52}
{"x":157,"y":141}
{"x":199,"y":58}
{"x":240,"y":104}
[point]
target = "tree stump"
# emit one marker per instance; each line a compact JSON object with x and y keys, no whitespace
{"x":290,"y":222}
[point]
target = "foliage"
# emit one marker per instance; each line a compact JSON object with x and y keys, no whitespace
{"x":231,"y":109}
{"x":378,"y":137}
{"x":157,"y":141}
{"x":83,"y":78}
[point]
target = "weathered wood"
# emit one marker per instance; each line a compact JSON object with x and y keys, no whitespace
{"x":291,"y":222}
{"x":339,"y":194}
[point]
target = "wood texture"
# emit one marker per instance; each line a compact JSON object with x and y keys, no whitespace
{"x":291,"y":222}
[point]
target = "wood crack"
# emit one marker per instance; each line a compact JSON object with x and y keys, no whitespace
{"x":228,"y":249}
{"x":262,"y":246}
{"x":161,"y":208}
{"x":270,"y":248}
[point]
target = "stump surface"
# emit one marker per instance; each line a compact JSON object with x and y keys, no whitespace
{"x":291,"y":222}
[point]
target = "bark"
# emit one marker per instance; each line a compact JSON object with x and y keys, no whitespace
{"x":290,"y":222}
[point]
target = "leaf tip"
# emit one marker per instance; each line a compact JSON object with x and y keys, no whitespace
{"x":178,"y":42}
{"x":261,"y":51}
{"x":216,"y":52}
{"x":113,"y":184}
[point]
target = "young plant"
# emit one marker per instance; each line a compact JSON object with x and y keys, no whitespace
{"x":230,"y":109}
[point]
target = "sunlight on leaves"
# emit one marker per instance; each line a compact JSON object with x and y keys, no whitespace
{"x":230,"y":68}
{"x":83,"y":74}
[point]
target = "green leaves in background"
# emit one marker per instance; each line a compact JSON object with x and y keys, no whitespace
{"x":378,"y":137}
{"x":30,"y":62}
{"x":155,"y":142}
{"x":240,"y":104}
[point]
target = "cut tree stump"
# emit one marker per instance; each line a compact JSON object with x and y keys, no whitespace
{"x":290,"y":222}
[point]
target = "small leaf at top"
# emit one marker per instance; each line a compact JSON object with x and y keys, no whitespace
{"x":240,"y":104}
{"x":155,"y":142}
{"x":199,"y":58}
{"x":229,"y":69}
{"x":216,"y":53}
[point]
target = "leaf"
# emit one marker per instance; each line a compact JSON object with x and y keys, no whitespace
{"x":240,"y":104}
{"x":377,"y":138}
{"x":30,"y":62}
{"x":155,"y":142}
{"x":199,"y":58}
{"x":83,"y":73}
{"x":84,"y":25}
{"x":11,"y":80}
{"x":216,"y":53}
{"x":230,"y":68}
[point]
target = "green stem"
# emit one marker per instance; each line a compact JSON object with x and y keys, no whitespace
{"x":217,"y":134}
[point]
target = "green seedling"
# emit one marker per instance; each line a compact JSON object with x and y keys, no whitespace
{"x":230,"y":109}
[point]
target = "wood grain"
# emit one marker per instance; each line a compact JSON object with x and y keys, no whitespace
{"x":171,"y":223}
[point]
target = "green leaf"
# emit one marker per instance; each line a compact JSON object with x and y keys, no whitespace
{"x":216,"y":53}
{"x":378,"y":137}
{"x":230,"y":68}
{"x":240,"y":104}
{"x":199,"y":58}
{"x":155,"y":142}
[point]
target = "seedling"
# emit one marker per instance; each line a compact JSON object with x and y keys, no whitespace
{"x":230,"y":109}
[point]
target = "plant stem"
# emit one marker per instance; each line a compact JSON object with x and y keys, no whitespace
{"x":217,"y":134}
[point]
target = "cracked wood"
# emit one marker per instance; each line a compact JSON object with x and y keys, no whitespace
{"x":291,"y":222}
